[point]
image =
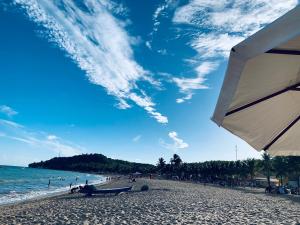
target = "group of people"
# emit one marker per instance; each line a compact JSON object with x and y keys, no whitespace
{"x":281,"y":190}
{"x":71,"y":184}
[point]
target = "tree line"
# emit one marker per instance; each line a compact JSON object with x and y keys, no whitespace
{"x":209,"y":171}
{"x":232,"y":171}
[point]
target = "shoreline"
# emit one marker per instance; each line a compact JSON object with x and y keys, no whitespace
{"x":53,"y":194}
{"x":43,"y":197}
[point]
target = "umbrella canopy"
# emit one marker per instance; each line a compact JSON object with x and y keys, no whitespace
{"x":260,"y":96}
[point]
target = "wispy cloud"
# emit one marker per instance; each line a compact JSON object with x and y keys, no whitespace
{"x":8,"y":111}
{"x":188,"y":85}
{"x":177,"y":144}
{"x":41,"y":140}
{"x":9,"y":123}
{"x":146,"y":103}
{"x":52,"y":137}
{"x":162,"y":11}
{"x":217,"y":26}
{"x":136,"y":138}
{"x":97,"y":42}
{"x":241,"y":16}
{"x":215,"y":45}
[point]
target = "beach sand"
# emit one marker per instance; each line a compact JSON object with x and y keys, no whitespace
{"x":167,"y":202}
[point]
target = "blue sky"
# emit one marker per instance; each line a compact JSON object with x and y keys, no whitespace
{"x":134,"y":80}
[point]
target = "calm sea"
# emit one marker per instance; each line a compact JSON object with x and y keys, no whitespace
{"x":22,"y":183}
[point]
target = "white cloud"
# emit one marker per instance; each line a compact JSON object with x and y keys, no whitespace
{"x":219,"y":25}
{"x":181,"y":100}
{"x":161,"y":12}
{"x":188,"y":85}
{"x":11,"y":124}
{"x":146,"y":103}
{"x":52,"y":137}
{"x":40,"y":140}
{"x":148,"y":44}
{"x":136,"y":138}
{"x":215,"y":45}
{"x":8,"y":111}
{"x":95,"y":40}
{"x":162,"y":51}
{"x":158,"y":12}
{"x":177,"y":144}
{"x":116,"y":8}
{"x":194,"y":11}
{"x":242,"y":16}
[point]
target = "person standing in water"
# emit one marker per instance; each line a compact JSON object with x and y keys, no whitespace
{"x":86,"y":182}
{"x":49,"y":183}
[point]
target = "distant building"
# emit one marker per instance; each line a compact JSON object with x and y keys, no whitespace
{"x":263,"y":182}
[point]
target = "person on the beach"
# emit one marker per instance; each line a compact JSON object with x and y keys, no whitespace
{"x":74,"y":189}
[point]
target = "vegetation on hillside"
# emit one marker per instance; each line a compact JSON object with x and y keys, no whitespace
{"x":97,"y":163}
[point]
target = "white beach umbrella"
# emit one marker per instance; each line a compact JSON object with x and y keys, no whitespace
{"x":260,"y":97}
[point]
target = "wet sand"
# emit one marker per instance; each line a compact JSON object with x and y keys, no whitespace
{"x":167,"y":202}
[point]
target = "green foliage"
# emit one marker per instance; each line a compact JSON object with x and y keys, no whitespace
{"x":232,"y":170}
{"x":267,"y":166}
{"x":94,"y":163}
{"x":176,"y":160}
{"x":281,"y":167}
{"x":161,"y":164}
{"x":251,"y":165}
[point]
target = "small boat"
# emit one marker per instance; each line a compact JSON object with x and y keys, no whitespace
{"x":91,"y":189}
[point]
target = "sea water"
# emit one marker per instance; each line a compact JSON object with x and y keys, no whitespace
{"x":23,"y":183}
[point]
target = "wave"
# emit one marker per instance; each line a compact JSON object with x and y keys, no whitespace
{"x":21,"y":184}
{"x":13,"y":197}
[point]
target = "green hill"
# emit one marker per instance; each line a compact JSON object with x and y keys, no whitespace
{"x":93,"y":163}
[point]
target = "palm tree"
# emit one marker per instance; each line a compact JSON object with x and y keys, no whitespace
{"x":251,"y":168}
{"x":294,"y":167}
{"x":267,"y":166}
{"x":161,"y":164}
{"x":176,"y":160}
{"x":281,"y":167}
{"x":175,"y":164}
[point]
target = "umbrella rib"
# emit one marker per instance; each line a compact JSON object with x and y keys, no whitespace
{"x":284,"y":52}
{"x":281,"y":133}
{"x":293,"y":88}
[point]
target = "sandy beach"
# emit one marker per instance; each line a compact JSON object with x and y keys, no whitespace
{"x":167,"y":202}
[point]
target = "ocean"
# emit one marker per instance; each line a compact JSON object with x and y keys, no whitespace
{"x":23,"y":183}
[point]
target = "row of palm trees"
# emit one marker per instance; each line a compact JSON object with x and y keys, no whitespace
{"x":231,"y":171}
